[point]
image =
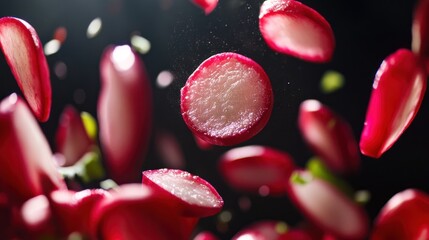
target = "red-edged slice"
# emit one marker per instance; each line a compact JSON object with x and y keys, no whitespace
{"x":420,"y":31}
{"x":293,"y":28}
{"x":195,"y":195}
{"x":271,"y":229}
{"x":207,"y":5}
{"x":24,"y":54}
{"x":27,"y":167}
{"x":405,"y":216}
{"x":227,"y":100}
{"x":327,"y":207}
{"x":124,"y":112}
{"x":329,"y":136}
{"x":251,"y":167}
{"x":398,"y":90}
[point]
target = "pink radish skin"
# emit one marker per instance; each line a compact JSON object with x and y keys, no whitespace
{"x":207,"y":5}
{"x":251,"y":167}
{"x":24,"y":53}
{"x":405,"y":216}
{"x":420,"y":31}
{"x":292,"y":28}
{"x":398,"y":90}
{"x":328,"y":208}
{"x":71,"y":137}
{"x":205,"y":236}
{"x":27,"y":167}
{"x":124,"y":113}
{"x":270,"y":229}
{"x":36,"y":219}
{"x":194,"y":195}
{"x":227,"y":100}
{"x":329,"y":136}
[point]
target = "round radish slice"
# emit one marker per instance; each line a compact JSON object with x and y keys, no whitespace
{"x":197,"y":197}
{"x":293,"y":28}
{"x":252,"y":167}
{"x":327,"y":207}
{"x":227,"y":100}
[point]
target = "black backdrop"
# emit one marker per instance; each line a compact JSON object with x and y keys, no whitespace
{"x":182,"y":36}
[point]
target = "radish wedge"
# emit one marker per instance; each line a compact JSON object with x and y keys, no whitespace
{"x":227,"y":100}
{"x":327,"y":207}
{"x":207,"y":5}
{"x":270,"y":229}
{"x":196,"y":196}
{"x":251,"y":167}
{"x":27,"y":166}
{"x":420,"y":31}
{"x":329,"y":136}
{"x":405,"y":216}
{"x":293,"y":28}
{"x":124,"y":112}
{"x":24,"y":54}
{"x":398,"y":90}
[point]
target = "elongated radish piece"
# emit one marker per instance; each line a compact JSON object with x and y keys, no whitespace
{"x":327,"y":207}
{"x":207,"y":5}
{"x":228,"y":99}
{"x":270,"y":229}
{"x":72,"y":140}
{"x":398,"y":90}
{"x":293,"y":28}
{"x":420,"y":31}
{"x":405,"y":216}
{"x":329,"y":136}
{"x":195,"y":195}
{"x":124,"y":112}
{"x":27,"y":167}
{"x":24,"y":53}
{"x":252,"y":167}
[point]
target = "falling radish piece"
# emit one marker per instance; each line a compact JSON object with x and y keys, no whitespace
{"x":207,"y":5}
{"x":329,"y":136}
{"x":327,"y":207}
{"x":270,"y":229}
{"x":251,"y":167}
{"x":205,"y":235}
{"x":195,"y":195}
{"x":227,"y":100}
{"x":398,"y":90}
{"x":420,"y":31}
{"x":293,"y":28}
{"x":23,"y":51}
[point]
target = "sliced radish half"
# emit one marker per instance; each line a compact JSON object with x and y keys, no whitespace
{"x":293,"y":28}
{"x":327,"y":207}
{"x":207,"y":5}
{"x":227,"y":100}
{"x":420,"y":31}
{"x":398,"y":90}
{"x":24,"y":54}
{"x":252,"y":167}
{"x":196,"y":196}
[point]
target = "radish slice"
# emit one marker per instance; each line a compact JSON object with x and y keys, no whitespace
{"x":398,"y":90}
{"x":405,"y":216}
{"x":329,"y":136}
{"x":207,"y":5}
{"x":227,"y":100}
{"x":420,"y":31}
{"x":124,"y":113}
{"x":249,"y":168}
{"x":270,"y":229}
{"x":327,"y":207}
{"x":197,"y":197}
{"x":27,"y":167}
{"x":293,"y":28}
{"x":24,"y":54}
{"x":71,"y":137}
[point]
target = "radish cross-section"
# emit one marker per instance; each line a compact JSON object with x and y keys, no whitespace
{"x":227,"y":100}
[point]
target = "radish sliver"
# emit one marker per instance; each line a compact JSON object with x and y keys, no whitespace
{"x":420,"y":31}
{"x":293,"y":28}
{"x":207,"y":5}
{"x":227,"y":100}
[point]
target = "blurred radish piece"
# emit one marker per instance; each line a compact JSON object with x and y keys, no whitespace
{"x":205,"y":235}
{"x":270,"y":230}
{"x":202,"y":144}
{"x":169,"y":150}
{"x":37,"y":221}
{"x":420,"y":31}
{"x":207,"y":5}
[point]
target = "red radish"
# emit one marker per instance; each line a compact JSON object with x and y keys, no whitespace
{"x":37,"y":219}
{"x":124,"y":112}
{"x":251,"y":167}
{"x":270,"y":229}
{"x":398,"y":90}
{"x":169,"y":149}
{"x":195,"y":195}
{"x":227,"y":100}
{"x":420,"y":31}
{"x":137,"y":212}
{"x":27,"y":167}
{"x":405,"y":216}
{"x":327,"y":207}
{"x":205,"y":235}
{"x":293,"y":28}
{"x":24,"y":54}
{"x":207,"y":5}
{"x":329,"y":136}
{"x":71,"y":137}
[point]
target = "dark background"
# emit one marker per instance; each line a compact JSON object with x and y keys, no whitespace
{"x":182,"y":37}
